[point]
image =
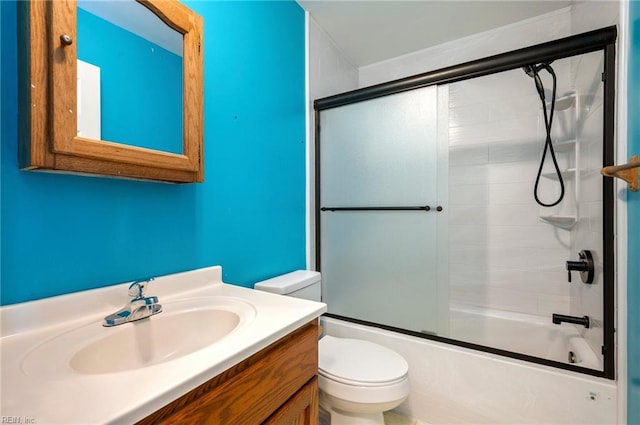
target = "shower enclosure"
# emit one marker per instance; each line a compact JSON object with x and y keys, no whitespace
{"x":426,"y":218}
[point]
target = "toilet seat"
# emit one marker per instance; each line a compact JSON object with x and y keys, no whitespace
{"x":356,"y":371}
{"x":358,"y":383}
{"x":360,"y":363}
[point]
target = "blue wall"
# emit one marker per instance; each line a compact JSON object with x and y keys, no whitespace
{"x":64,"y":233}
{"x":146,"y":75}
{"x":633,"y":211}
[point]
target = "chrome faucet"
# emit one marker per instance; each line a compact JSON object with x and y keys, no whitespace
{"x":138,"y":307}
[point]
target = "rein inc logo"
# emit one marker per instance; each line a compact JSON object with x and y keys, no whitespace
{"x":17,"y":420}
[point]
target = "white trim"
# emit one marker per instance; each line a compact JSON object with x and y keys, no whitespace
{"x":309,"y":148}
{"x":621,"y":230}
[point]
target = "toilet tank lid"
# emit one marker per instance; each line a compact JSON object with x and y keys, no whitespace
{"x":290,"y":282}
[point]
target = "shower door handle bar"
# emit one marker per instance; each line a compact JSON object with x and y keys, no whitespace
{"x":424,"y":208}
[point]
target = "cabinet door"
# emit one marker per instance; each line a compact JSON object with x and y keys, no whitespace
{"x":250,"y":392}
{"x":301,"y":409}
{"x":49,"y":138}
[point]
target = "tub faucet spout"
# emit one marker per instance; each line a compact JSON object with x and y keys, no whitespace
{"x":559,"y":318}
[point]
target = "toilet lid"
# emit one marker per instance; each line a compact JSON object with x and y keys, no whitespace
{"x":354,"y":360}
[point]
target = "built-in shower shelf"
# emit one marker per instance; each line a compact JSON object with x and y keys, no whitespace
{"x":564,"y":102}
{"x":565,"y":146}
{"x":564,"y":221}
{"x":571,"y":172}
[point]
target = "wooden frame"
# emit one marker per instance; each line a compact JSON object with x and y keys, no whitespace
{"x":47,"y":93}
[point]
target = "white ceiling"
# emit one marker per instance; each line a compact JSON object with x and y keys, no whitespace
{"x":372,"y":31}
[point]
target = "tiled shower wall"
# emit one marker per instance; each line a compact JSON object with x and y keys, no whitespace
{"x":491,"y":177}
{"x":501,"y":255}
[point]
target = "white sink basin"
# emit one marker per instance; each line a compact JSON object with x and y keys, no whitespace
{"x":183,"y":327}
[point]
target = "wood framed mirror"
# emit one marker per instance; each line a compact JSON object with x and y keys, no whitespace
{"x":50,"y":138}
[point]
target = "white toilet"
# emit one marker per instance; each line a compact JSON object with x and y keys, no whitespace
{"x":358,"y":379}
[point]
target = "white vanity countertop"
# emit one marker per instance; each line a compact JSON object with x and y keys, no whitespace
{"x":69,"y":397}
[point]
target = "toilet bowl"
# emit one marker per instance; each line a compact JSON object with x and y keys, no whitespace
{"x":358,"y":380}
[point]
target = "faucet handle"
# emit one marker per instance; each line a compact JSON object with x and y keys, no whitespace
{"x":585,"y":266}
{"x":137,"y":288}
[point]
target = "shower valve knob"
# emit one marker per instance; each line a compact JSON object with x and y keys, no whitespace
{"x":585,"y":266}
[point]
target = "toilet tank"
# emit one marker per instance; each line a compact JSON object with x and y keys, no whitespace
{"x":300,"y":284}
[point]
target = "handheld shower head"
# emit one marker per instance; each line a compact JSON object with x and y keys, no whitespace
{"x":532,"y":71}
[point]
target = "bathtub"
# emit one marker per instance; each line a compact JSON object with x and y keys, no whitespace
{"x":456,"y":385}
{"x":522,"y":333}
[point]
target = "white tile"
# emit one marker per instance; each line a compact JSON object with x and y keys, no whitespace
{"x":513,"y":215}
{"x":533,"y":258}
{"x":515,"y":130}
{"x":468,"y":234}
{"x":590,"y":186}
{"x":549,"y":304}
{"x":474,"y":113}
{"x":588,"y":240}
{"x":468,"y":174}
{"x":495,"y":89}
{"x":515,"y":152}
{"x":595,"y":213}
{"x":550,"y":281}
{"x":464,"y":277}
{"x":523,"y":172}
{"x":468,"y":155}
{"x":591,"y":127}
{"x":541,"y":237}
{"x":564,"y":125}
{"x":501,"y":299}
{"x":511,"y":193}
{"x":469,"y":256}
{"x":468,"y":215}
{"x":590,"y":152}
{"x":473,"y":194}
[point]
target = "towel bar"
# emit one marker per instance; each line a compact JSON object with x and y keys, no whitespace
{"x":627,"y":172}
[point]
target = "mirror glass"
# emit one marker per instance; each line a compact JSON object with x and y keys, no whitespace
{"x":129,"y":76}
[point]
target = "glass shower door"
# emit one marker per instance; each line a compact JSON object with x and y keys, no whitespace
{"x":378,"y":210}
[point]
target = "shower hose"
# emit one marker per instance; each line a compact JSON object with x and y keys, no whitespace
{"x":533,"y":71}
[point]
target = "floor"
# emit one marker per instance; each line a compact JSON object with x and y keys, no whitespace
{"x":391,"y":418}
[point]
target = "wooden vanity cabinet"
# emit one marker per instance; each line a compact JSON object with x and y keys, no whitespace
{"x":276,"y":386}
